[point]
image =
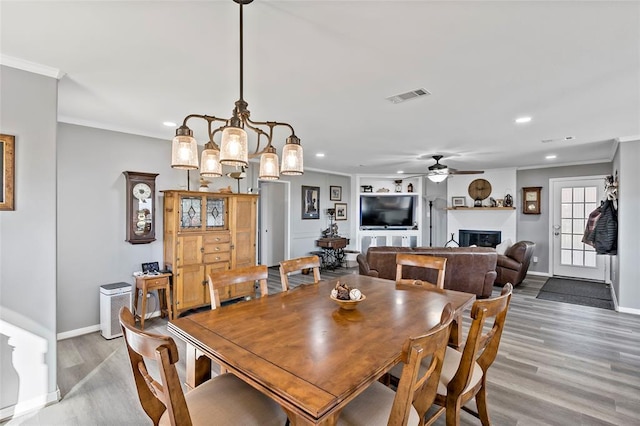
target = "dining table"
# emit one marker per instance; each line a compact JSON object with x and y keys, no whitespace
{"x":306,"y":352}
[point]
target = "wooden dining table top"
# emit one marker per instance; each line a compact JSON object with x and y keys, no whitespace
{"x":304,"y":351}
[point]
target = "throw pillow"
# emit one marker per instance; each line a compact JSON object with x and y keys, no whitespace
{"x":504,"y":246}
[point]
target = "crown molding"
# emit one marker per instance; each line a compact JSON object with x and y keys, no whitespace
{"x":29,"y":66}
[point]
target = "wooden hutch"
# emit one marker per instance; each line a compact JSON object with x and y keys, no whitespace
{"x":205,"y":232}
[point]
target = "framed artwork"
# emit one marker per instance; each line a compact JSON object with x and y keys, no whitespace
{"x":335,"y":193}
{"x":341,"y":211}
{"x":459,"y":201}
{"x":310,"y":202}
{"x":7,"y":167}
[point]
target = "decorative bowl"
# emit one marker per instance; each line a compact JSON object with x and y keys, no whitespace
{"x":348,"y":305}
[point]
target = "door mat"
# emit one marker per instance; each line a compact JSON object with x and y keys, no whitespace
{"x":577,"y":292}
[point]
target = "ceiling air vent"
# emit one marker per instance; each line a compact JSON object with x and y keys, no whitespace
{"x":396,"y":99}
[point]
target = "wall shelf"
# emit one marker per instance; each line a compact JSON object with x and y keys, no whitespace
{"x":480,"y":208}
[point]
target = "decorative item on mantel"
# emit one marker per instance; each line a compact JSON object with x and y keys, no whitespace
{"x":383,"y":190}
{"x":508,"y":199}
{"x":398,"y":185}
{"x":366,"y":188}
{"x":410,"y":187}
{"x":233,"y":149}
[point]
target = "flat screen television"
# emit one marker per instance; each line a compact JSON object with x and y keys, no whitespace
{"x":386,"y":211}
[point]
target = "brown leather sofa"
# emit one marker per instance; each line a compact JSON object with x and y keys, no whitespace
{"x":469,"y":269}
{"x":513,"y":265}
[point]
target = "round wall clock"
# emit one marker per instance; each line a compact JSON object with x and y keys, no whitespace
{"x":479,"y":189}
{"x":140,"y":216}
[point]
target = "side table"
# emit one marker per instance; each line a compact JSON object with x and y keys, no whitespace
{"x":332,"y":251}
{"x":147,"y":283}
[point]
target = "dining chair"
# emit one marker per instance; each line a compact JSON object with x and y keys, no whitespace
{"x":298,"y":264}
{"x":223,"y":400}
{"x":464,"y":373}
{"x":438,"y":264}
{"x":234,"y":277}
{"x":380,"y":405}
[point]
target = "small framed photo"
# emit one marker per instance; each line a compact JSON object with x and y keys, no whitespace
{"x":335,"y":193}
{"x":310,"y":202}
{"x":341,"y":211}
{"x":459,"y":201}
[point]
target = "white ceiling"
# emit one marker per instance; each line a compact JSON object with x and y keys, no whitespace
{"x":326,"y":68}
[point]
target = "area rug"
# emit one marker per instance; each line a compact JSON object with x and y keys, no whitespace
{"x":577,"y":292}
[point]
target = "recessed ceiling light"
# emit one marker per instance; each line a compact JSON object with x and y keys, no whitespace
{"x":551,"y":157}
{"x":521,"y":120}
{"x":169,"y":124}
{"x":320,"y":154}
{"x":400,"y":171}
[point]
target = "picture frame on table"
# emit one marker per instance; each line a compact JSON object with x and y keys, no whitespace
{"x":7,"y":169}
{"x":335,"y":193}
{"x":458,"y":202}
{"x":310,"y":202}
{"x":341,"y":211}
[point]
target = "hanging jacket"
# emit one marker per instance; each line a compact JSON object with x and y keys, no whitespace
{"x":605,"y":235}
{"x":589,"y":232}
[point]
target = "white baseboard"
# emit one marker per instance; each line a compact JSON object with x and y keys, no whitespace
{"x":25,"y":407}
{"x":93,"y":328}
{"x":539,"y":274}
{"x":633,"y":311}
{"x":78,"y":332}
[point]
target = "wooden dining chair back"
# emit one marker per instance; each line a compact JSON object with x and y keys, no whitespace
{"x":155,"y":398}
{"x":225,"y":399}
{"x":464,"y":374}
{"x":407,"y":262}
{"x":234,"y":277}
{"x":416,"y":391}
{"x":299,"y":264}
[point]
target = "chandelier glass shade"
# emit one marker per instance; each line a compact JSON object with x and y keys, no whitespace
{"x":210,"y":162}
{"x":234,"y":139}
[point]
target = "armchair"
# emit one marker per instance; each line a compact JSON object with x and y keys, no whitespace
{"x":513,"y":265}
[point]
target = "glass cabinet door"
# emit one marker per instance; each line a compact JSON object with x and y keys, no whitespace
{"x":215,"y":212}
{"x":190,"y":212}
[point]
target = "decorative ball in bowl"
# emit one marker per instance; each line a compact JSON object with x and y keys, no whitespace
{"x":348,"y":305}
{"x":347,"y":298}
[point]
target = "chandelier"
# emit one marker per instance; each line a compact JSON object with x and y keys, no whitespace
{"x":233,"y":149}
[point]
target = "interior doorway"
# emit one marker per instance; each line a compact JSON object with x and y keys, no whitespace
{"x":572,"y":200}
{"x":273,"y":222}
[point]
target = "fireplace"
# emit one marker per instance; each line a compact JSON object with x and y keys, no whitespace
{"x":469,"y":237}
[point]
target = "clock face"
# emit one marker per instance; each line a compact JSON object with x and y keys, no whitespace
{"x":479,"y":189}
{"x":141,"y":191}
{"x":531,"y":196}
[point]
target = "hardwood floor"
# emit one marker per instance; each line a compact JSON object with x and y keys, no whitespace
{"x":558,"y":364}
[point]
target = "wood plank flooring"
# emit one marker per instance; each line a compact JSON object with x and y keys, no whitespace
{"x":558,"y":364}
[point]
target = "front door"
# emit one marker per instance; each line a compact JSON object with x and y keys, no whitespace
{"x":573,"y":201}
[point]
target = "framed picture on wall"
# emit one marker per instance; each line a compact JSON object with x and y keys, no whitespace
{"x":341,"y":211}
{"x":310,"y":202}
{"x":335,"y":193}
{"x":7,"y":171}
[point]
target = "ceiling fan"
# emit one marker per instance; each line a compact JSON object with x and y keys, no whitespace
{"x":438,"y":172}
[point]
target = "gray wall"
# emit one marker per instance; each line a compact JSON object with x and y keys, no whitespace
{"x":28,"y":242}
{"x":536,"y":227}
{"x":626,"y":268}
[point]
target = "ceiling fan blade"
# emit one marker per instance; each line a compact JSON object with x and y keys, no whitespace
{"x":465,"y":172}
